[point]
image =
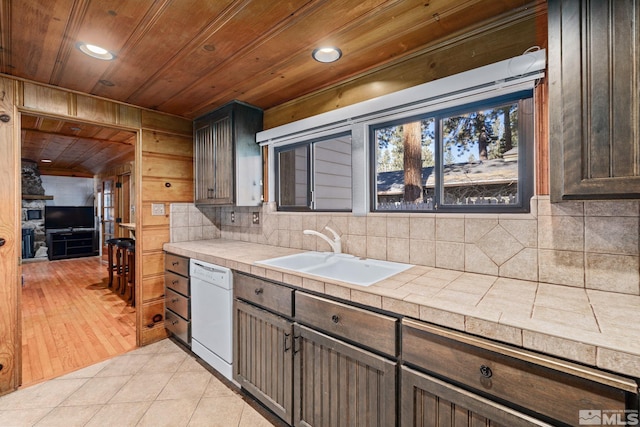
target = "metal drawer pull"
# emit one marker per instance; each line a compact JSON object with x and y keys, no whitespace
{"x":174,"y":263}
{"x":486,"y":371}
{"x":175,"y":300}
{"x":335,"y":318}
{"x":175,"y":322}
{"x":287,"y":346}
{"x":175,"y":282}
{"x":259,"y":291}
{"x":296,"y":344}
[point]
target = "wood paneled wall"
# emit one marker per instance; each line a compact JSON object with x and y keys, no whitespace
{"x":166,"y":159}
{"x":10,"y":328}
{"x":162,"y":174}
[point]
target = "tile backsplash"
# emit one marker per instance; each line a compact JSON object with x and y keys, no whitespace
{"x":590,"y":244}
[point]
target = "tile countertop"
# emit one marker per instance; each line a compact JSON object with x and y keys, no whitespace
{"x":588,"y":326}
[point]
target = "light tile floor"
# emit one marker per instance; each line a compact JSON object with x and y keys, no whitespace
{"x":157,"y":385}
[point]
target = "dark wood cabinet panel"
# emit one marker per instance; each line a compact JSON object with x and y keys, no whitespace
{"x":594,"y":94}
{"x":427,"y":401}
{"x":338,"y":384}
{"x":366,"y":328}
{"x":522,"y":378}
{"x":265,"y":294}
{"x":228,"y":165}
{"x":263,"y":357}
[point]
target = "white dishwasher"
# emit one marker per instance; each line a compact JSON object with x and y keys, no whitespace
{"x":211,"y":314}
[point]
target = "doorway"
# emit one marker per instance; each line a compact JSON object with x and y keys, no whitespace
{"x":70,"y":316}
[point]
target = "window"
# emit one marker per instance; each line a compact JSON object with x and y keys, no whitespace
{"x":473,"y":158}
{"x":315,"y":175}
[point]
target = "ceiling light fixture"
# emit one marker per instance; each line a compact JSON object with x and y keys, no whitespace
{"x":326,"y":54}
{"x":95,"y":51}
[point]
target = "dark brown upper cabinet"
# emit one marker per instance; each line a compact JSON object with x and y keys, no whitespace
{"x":594,"y":99}
{"x":227,"y":160}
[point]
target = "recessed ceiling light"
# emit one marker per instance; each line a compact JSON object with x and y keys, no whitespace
{"x":95,"y":51}
{"x":326,"y":54}
{"x":46,"y":160}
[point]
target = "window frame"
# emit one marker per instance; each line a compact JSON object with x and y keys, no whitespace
{"x":293,"y":147}
{"x":311,"y":180}
{"x":526,"y":137}
{"x":521,"y":72}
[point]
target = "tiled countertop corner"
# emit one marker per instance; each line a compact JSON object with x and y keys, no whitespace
{"x":587,"y":326}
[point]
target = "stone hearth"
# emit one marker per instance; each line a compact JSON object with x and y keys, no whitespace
{"x":34,"y":202}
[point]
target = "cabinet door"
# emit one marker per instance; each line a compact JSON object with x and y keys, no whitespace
{"x":263,"y":359}
{"x":427,"y":401}
{"x":594,"y":94}
{"x":213,"y":153}
{"x":337,"y":384}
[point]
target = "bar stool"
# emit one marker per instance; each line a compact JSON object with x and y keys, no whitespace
{"x":130,"y":295}
{"x":122,"y":264}
{"x":113,"y":265}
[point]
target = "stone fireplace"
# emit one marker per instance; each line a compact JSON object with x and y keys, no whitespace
{"x":33,"y":201}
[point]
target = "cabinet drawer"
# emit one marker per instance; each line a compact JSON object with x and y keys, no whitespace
{"x":176,"y":263}
{"x":373,"y":330}
{"x":178,"y":326}
{"x":176,"y":282}
{"x":524,"y":378}
{"x":265,"y":294}
{"x":177,"y":303}
{"x":425,"y":400}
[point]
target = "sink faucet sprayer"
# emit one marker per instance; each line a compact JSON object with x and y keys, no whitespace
{"x":336,"y":243}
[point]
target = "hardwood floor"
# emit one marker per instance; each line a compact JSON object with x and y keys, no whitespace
{"x":70,"y":318}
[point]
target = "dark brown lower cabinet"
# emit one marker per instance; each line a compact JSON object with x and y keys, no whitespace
{"x":338,"y":384}
{"x":329,"y":363}
{"x":264,"y":357}
{"x":306,"y":377}
{"x":428,"y":401}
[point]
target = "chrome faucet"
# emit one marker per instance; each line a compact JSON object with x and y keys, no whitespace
{"x":336,"y":243}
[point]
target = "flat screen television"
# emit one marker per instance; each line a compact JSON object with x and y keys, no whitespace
{"x":56,"y":217}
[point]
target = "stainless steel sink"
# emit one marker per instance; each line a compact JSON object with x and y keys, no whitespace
{"x":342,"y":267}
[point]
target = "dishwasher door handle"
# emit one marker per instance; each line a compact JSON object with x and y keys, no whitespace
{"x":211,"y":269}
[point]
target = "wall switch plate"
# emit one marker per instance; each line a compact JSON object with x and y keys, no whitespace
{"x":255,"y":218}
{"x":157,"y":208}
{"x":233,"y":217}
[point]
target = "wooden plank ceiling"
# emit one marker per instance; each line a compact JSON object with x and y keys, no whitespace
{"x":188,"y":57}
{"x":74,"y":149}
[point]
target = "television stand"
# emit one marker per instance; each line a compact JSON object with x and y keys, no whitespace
{"x":71,"y":243}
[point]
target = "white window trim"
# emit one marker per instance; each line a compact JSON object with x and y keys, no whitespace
{"x":501,"y":78}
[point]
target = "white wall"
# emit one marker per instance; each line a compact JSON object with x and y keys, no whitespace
{"x":68,"y":191}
